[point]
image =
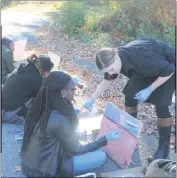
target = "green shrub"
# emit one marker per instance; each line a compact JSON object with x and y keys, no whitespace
{"x":124,"y":19}
{"x":169,"y":34}
{"x":72,"y":17}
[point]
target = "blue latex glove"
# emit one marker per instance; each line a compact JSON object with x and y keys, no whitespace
{"x":89,"y":104}
{"x":144,"y":94}
{"x":112,"y":136}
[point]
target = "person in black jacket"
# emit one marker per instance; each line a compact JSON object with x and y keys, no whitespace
{"x":7,"y":57}
{"x":150,"y":67}
{"x":22,"y":86}
{"x":51,"y":146}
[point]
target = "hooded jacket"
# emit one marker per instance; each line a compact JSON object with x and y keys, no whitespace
{"x":22,"y":85}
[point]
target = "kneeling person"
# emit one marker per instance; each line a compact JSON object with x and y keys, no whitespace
{"x":22,"y":86}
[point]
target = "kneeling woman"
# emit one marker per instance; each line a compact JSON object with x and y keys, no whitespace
{"x":50,"y":144}
{"x":22,"y":85}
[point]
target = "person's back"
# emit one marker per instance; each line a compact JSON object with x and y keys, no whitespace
{"x":22,"y":84}
{"x":148,"y":45}
{"x":45,"y":156}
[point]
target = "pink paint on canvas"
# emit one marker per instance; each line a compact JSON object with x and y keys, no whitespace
{"x":122,"y":149}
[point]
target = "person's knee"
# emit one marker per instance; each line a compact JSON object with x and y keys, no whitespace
{"x":163,"y":112}
{"x":131,"y":106}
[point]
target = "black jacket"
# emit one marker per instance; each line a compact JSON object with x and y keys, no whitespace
{"x":7,"y":61}
{"x":143,"y":61}
{"x":22,"y":84}
{"x":60,"y":145}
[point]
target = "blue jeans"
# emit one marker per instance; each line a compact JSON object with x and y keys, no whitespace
{"x":88,"y":161}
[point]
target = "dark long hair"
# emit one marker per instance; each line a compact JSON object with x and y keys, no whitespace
{"x":42,"y":62}
{"x":49,"y":98}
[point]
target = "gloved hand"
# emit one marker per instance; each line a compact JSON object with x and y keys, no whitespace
{"x":89,"y":104}
{"x":144,"y":94}
{"x":112,"y":136}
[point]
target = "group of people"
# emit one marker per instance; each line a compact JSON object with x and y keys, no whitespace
{"x":43,"y":101}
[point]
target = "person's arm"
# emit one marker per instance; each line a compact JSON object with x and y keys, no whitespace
{"x":159,"y":81}
{"x":62,"y":130}
{"x":104,"y":84}
{"x":101,"y":88}
{"x":154,"y":65}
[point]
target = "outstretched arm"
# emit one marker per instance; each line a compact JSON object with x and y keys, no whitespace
{"x":101,"y":88}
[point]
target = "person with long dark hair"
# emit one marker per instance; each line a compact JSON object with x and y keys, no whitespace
{"x":150,"y":66}
{"x":22,"y":85}
{"x":51,"y":147}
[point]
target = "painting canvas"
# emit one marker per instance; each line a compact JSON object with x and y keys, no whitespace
{"x":20,"y":45}
{"x":55,"y":59}
{"x":129,"y":128}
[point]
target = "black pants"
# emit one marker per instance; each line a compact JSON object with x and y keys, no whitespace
{"x":161,"y":111}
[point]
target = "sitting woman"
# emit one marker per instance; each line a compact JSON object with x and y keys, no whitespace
{"x":50,"y":144}
{"x":22,"y":85}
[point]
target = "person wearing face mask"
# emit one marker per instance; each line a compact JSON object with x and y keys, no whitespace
{"x":51,"y":147}
{"x":150,"y":66}
{"x":7,"y":57}
{"x":22,"y":86}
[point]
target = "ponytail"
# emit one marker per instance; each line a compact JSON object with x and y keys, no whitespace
{"x":32,"y":59}
{"x":41,"y":62}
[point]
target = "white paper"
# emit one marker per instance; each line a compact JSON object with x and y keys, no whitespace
{"x":20,"y":46}
{"x":55,"y":59}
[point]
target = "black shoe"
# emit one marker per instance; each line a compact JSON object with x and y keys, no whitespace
{"x":164,"y":144}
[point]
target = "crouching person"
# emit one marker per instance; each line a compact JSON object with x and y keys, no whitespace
{"x":22,"y":86}
{"x":50,"y":146}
